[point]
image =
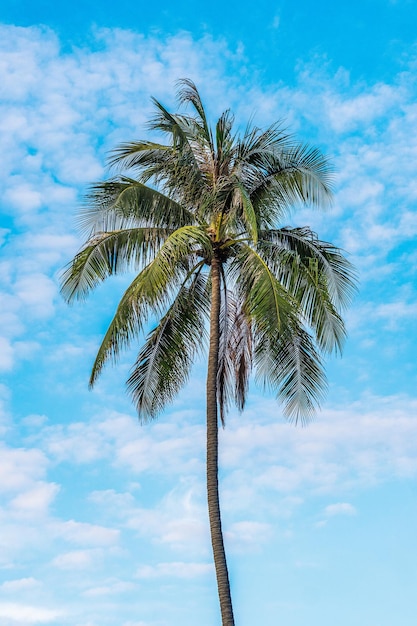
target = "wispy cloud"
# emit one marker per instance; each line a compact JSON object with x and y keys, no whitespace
{"x":76,"y":560}
{"x":19,"y":614}
{"x":175,"y":569}
{"x":340,"y":508}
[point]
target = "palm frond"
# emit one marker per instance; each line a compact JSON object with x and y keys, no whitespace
{"x":224,"y":364}
{"x":309,"y":172}
{"x":188,"y":92}
{"x":225,"y":148}
{"x":163,"y":364}
{"x":339,"y":274}
{"x":145,"y":295}
{"x":175,"y":168}
{"x":125,"y":203}
{"x":291,"y":366}
{"x":256,"y":145}
{"x":284,"y":354}
{"x":285,"y":175}
{"x":150,"y":291}
{"x":266,"y":301}
{"x":235,"y":353}
{"x":139,"y":154}
{"x":109,"y":253}
{"x":304,"y":279}
{"x":248,"y":214}
{"x":240,"y":349}
{"x":174,"y":125}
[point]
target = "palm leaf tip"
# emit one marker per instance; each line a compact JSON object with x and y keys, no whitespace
{"x":76,"y":282}
{"x":304,"y":383}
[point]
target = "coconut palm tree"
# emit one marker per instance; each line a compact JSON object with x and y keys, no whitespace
{"x":199,"y":219}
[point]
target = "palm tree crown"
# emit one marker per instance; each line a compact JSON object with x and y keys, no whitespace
{"x":200,"y":220}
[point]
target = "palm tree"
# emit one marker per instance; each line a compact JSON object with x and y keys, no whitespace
{"x":198,"y":219}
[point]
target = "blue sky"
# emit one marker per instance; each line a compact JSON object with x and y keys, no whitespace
{"x":102,"y":521}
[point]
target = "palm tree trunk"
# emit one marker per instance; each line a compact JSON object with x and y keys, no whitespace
{"x":223,"y":585}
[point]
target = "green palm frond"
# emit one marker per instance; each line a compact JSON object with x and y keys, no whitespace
{"x":285,"y":357}
{"x":338,"y":273}
{"x":327,"y":323}
{"x":188,"y":92}
{"x":256,"y":145}
{"x":139,"y":154}
{"x":150,"y":291}
{"x":163,"y":364}
{"x":313,"y":173}
{"x":176,"y":168}
{"x":225,"y":145}
{"x":248,"y":213}
{"x":176,"y":126}
{"x":283,"y":178}
{"x":109,"y":253}
{"x":125,"y":203}
{"x":182,"y":243}
{"x":266,"y":302}
{"x":188,"y":136}
{"x":292,"y":367}
{"x":305,"y":280}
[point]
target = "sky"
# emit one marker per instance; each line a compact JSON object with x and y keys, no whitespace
{"x":103,"y":521}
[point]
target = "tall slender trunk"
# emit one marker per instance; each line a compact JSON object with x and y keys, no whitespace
{"x":219,"y":554}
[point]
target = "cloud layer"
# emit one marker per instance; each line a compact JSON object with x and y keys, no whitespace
{"x":95,"y":507}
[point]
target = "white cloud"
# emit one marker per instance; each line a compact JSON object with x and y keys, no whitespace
{"x":179,"y":520}
{"x":34,"y":420}
{"x":346,"y":114}
{"x":78,"y":443}
{"x":361,"y":444}
{"x":48,"y":250}
{"x":248,"y":534}
{"x":22,"y":196}
{"x":108,"y":497}
{"x":337,"y":509}
{"x":36,"y":293}
{"x":20,"y":614}
{"x":170,"y":450}
{"x":35,"y":501}
{"x":76,"y":560}
{"x":11,"y":324}
{"x":6,"y":355}
{"x":112,"y":588}
{"x":340,"y":508}
{"x":20,"y":468}
{"x":181,"y":533}
{"x":161,"y":447}
{"x":276,"y":22}
{"x":19,"y":585}
{"x":176,"y":569}
{"x":396,"y":311}
{"x":82,"y":533}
